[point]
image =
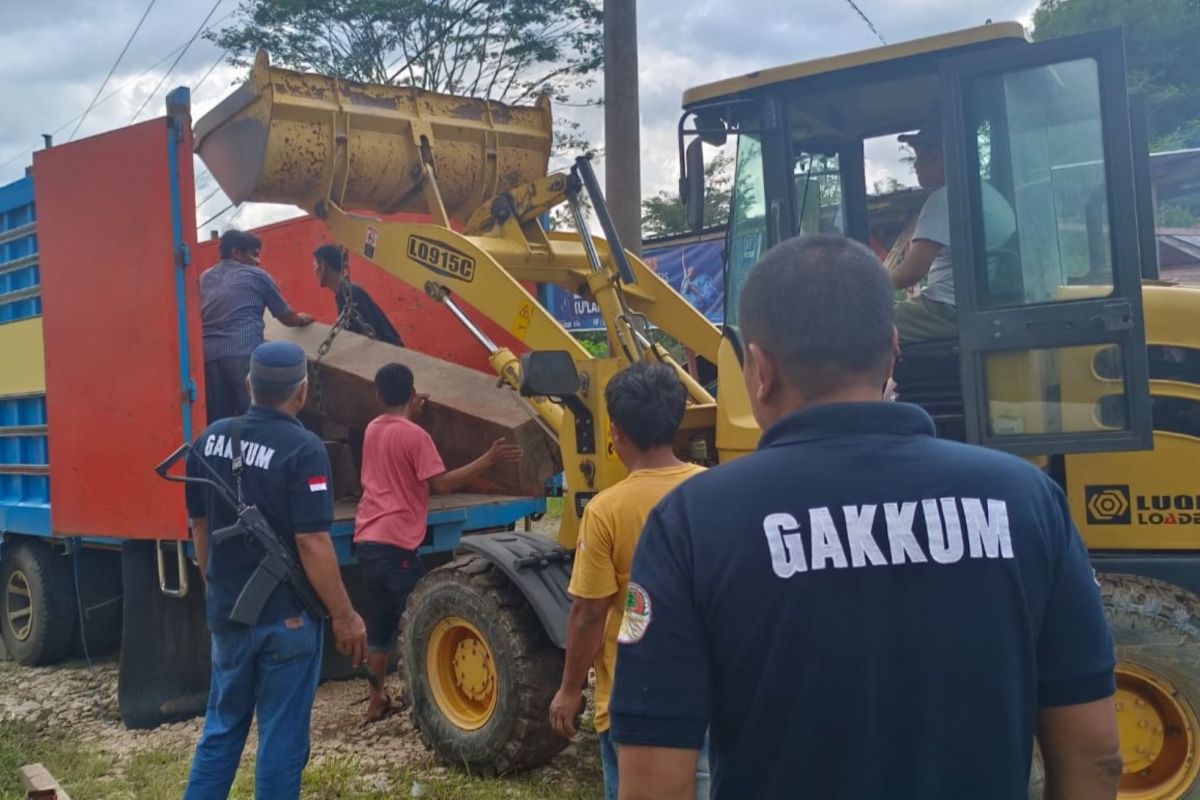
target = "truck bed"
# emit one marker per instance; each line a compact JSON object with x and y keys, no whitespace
{"x":344,"y":510}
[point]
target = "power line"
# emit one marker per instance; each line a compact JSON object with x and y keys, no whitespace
{"x":208,"y":197}
{"x":175,"y":63}
{"x":214,"y":216}
{"x":867,"y":20}
{"x":216,"y":64}
{"x":112,"y":69}
{"x":107,"y":97}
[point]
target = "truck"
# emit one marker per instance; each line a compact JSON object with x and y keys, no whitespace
{"x":1069,"y":350}
{"x":103,"y":377}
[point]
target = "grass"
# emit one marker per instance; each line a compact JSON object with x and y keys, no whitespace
{"x":86,"y":773}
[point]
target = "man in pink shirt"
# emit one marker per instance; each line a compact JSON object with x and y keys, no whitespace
{"x":400,"y":467}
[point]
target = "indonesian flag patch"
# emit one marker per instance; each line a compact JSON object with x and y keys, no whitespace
{"x":317,"y":483}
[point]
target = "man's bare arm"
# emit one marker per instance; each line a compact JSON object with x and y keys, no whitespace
{"x":656,"y":773}
{"x":917,"y":261}
{"x":585,"y":638}
{"x":294,"y":319}
{"x":200,"y":540}
{"x":1080,"y":750}
{"x":321,"y":567}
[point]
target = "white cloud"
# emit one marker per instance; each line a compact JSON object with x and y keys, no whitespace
{"x":55,"y":53}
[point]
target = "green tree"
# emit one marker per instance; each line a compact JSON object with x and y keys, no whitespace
{"x":506,"y":50}
{"x":1161,"y":47}
{"x":664,"y":214}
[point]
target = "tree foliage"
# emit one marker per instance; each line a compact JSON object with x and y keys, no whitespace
{"x":1161,"y":47}
{"x":664,"y":214}
{"x":506,"y":50}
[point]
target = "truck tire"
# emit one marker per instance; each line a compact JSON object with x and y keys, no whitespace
{"x":1156,"y":627}
{"x":38,"y":604}
{"x":479,"y":670}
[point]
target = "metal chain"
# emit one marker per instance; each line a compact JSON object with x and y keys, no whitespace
{"x":349,"y":314}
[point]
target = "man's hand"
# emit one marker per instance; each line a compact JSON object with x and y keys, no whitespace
{"x":563,"y":709}
{"x":304,"y":319}
{"x":503,"y":453}
{"x":350,"y":636}
{"x":416,"y":404}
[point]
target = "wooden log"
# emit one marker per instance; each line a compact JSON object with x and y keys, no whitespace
{"x":466,"y":411}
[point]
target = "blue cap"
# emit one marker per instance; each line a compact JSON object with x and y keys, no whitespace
{"x":278,"y":364}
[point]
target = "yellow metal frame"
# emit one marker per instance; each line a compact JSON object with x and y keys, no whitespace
{"x":998,"y":31}
{"x":1136,"y":481}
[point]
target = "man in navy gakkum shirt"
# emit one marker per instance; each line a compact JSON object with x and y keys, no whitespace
{"x":266,"y":671}
{"x":859,"y":610}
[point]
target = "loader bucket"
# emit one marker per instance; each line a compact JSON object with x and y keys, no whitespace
{"x":298,"y":138}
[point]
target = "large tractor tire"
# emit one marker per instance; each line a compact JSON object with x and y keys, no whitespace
{"x":479,"y":669}
{"x":1156,"y":627}
{"x":1157,"y":631}
{"x":38,"y":604}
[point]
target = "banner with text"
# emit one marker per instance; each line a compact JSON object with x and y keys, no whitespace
{"x":695,"y":270}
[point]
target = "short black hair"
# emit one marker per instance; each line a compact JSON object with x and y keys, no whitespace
{"x":331,"y":256}
{"x":394,"y":383}
{"x":646,"y":401}
{"x":822,"y":307}
{"x":238,"y":240}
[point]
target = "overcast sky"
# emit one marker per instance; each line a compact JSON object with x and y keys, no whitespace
{"x":54,"y":54}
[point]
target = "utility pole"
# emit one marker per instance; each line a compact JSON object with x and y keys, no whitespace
{"x":622,"y":143}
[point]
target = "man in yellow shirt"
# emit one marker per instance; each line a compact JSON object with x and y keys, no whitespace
{"x":645,"y":404}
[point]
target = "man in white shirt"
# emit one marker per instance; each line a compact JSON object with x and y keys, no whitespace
{"x":931,"y":314}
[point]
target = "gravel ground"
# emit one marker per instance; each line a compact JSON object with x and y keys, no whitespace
{"x":70,"y":699}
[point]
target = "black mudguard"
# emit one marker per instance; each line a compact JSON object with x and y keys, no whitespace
{"x":537,"y":566}
{"x":164,"y":670}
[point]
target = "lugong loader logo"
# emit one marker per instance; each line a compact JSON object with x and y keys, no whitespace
{"x":1115,"y":505}
{"x":1107,"y":505}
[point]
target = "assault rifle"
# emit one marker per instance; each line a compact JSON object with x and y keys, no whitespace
{"x":279,"y":564}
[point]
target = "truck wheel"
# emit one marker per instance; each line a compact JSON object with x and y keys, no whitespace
{"x":38,"y":621}
{"x":479,"y":669}
{"x":1156,"y":627}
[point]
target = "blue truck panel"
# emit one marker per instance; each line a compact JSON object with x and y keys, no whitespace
{"x":19,"y":275}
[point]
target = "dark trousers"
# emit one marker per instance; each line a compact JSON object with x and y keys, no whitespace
{"x":389,"y":575}
{"x":225,"y":392}
{"x":269,"y":671}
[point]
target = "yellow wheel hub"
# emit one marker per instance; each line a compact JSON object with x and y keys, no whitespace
{"x":461,"y":673}
{"x":18,"y":605}
{"x":1159,"y":732}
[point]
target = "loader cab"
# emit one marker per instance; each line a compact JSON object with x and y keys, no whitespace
{"x":1050,"y":355}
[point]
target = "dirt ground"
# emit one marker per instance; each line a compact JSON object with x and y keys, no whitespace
{"x":71,"y":700}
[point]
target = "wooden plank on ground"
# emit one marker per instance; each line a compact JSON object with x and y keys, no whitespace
{"x":39,"y":784}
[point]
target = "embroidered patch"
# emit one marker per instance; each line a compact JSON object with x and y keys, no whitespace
{"x":637,"y":615}
{"x":293,"y":623}
{"x":317,"y":483}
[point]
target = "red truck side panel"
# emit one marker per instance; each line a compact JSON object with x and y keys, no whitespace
{"x":114,"y":403}
{"x":424,"y":325}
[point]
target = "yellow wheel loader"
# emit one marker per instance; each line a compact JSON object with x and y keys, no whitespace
{"x":1054,"y":359}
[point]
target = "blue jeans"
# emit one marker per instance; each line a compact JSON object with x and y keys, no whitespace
{"x":608,"y":759}
{"x":272,"y":670}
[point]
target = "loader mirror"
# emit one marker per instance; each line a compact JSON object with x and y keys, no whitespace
{"x":549,"y":373}
{"x":692,"y":188}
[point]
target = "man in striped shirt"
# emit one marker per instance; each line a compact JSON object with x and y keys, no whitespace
{"x":233,"y":294}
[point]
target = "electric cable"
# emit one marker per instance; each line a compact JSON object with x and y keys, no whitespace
{"x":112,"y":69}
